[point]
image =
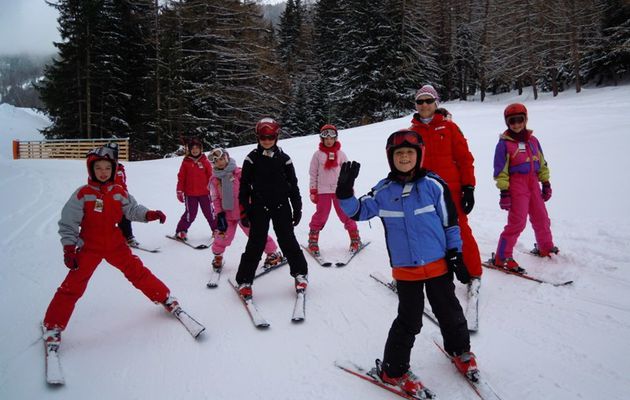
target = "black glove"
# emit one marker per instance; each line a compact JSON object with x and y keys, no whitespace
{"x":297,"y":216}
{"x":222,"y":222}
{"x":468,"y":198}
{"x":345,"y":182}
{"x":456,"y":265}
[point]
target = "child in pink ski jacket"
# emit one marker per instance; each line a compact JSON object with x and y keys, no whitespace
{"x":192,"y":188}
{"x":324,"y":171}
{"x":519,"y":166}
{"x":224,"y":186}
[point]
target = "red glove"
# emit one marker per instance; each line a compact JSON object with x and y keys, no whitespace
{"x":180,"y":196}
{"x":70,"y":257}
{"x":546,"y":191}
{"x":314,"y":195}
{"x":157,"y":214}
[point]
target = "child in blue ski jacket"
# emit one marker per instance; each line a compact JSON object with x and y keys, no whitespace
{"x":424,"y":245}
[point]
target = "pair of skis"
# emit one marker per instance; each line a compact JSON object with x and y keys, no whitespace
{"x":298,"y":315}
{"x":478,"y":384}
{"x":54,"y":373}
{"x":340,"y":263}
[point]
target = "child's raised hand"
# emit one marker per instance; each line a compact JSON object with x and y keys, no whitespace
{"x":313,"y":195}
{"x":345,"y":182}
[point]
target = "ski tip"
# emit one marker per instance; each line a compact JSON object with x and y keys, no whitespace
{"x":297,"y":320}
{"x":326,"y":264}
{"x":201,"y":246}
{"x":263,"y":326}
{"x":340,"y":264}
{"x":211,"y":285}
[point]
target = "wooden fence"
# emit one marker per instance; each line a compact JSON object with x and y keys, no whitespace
{"x":65,"y":148}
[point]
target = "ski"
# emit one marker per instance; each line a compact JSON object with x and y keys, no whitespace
{"x":481,"y":387}
{"x":490,"y":264}
{"x":351,"y":254}
{"x":259,"y":321}
{"x":54,"y":374}
{"x":318,"y":257}
{"x":196,"y":247}
{"x":299,"y":309}
{"x":472,"y":309}
{"x":372,"y":377}
{"x":191,"y":325}
{"x":143,"y":248}
{"x":265,"y":269}
{"x":392,"y":286}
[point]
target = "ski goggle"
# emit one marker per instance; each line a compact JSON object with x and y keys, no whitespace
{"x":425,"y":101}
{"x":519,"y":119}
{"x":216,"y":155}
{"x":267,"y":137}
{"x":404,"y":137}
{"x":328,"y":133}
{"x":104,"y":152}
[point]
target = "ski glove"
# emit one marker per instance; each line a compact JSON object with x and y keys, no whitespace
{"x":180,"y":196}
{"x":505,"y":202}
{"x":468,"y":198}
{"x":244,"y":219}
{"x":313,"y":195}
{"x":345,"y":182}
{"x":222,"y":222}
{"x":70,"y":257}
{"x":456,"y":265}
{"x":546,"y":191}
{"x":157,"y":214}
{"x":297,"y":216}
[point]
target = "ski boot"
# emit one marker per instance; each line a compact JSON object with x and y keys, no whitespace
{"x":245,"y":290}
{"x":273,"y":259}
{"x":544,"y":253}
{"x":181,"y":235}
{"x":171,"y":304}
{"x":408,"y":381}
{"x":132,"y":242}
{"x":52,"y":338}
{"x":467,"y":365}
{"x":217,"y":262}
{"x":509,"y":263}
{"x":313,"y":246}
{"x":301,"y":282}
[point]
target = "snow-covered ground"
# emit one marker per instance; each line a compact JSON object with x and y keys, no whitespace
{"x":535,"y":341}
{"x":19,"y":124}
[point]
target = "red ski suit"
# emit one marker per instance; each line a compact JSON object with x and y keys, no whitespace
{"x":447,"y":154}
{"x":88,"y":221}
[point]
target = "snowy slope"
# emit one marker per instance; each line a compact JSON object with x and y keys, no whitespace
{"x":535,"y":341}
{"x":19,"y":124}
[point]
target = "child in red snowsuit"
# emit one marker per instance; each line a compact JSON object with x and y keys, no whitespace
{"x":224,"y":187}
{"x":192,"y":188}
{"x":519,"y":166}
{"x":89,"y":234}
{"x":324,"y":171}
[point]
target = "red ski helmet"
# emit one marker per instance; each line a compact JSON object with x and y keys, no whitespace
{"x":267,"y":127}
{"x":102,"y":153}
{"x":404,"y":138}
{"x":514,"y":109}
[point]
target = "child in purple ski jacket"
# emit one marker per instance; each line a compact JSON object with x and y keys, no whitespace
{"x":519,"y":168}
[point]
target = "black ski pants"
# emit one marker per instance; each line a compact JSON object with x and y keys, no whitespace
{"x":402,"y":334}
{"x":259,"y":218}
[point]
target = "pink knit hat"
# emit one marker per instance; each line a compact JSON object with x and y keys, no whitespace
{"x":428,"y":90}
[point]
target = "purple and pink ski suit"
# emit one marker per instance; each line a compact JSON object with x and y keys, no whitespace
{"x":519,"y":166}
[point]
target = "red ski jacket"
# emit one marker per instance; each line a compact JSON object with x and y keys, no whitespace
{"x":446,"y":151}
{"x":194,"y":175}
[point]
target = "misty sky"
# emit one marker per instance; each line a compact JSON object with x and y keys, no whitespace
{"x":30,"y":26}
{"x":27,"y":26}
